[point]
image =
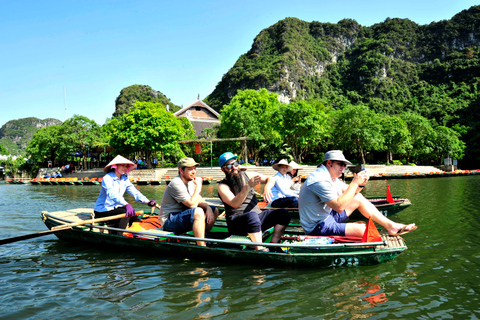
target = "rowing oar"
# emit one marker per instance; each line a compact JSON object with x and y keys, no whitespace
{"x":62,"y":227}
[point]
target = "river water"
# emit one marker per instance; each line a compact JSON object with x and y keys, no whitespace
{"x":438,"y":277}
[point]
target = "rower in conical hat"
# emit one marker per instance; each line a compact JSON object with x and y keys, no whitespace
{"x":110,"y":200}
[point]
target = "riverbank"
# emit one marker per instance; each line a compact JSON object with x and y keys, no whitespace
{"x":213,"y":174}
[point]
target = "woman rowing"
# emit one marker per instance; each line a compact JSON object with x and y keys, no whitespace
{"x":114,"y":184}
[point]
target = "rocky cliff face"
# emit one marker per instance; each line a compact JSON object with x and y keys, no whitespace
{"x":129,"y":95}
{"x":16,"y":134}
{"x":301,"y":60}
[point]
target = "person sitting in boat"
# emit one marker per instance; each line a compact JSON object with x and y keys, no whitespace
{"x":296,"y":178}
{"x":326,"y":202}
{"x":183,"y":209}
{"x":114,"y":184}
{"x":283,"y":195}
{"x":244,"y":216}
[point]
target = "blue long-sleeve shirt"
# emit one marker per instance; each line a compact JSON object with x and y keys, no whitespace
{"x":111,"y":193}
{"x":282,"y":187}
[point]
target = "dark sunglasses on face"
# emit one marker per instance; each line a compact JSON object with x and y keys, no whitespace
{"x":341,"y":164}
{"x":230,"y":166}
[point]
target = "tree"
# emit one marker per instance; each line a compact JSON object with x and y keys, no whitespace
{"x":303,"y":126}
{"x":396,"y":135}
{"x":45,"y":145}
{"x":147,"y":128}
{"x":79,"y":133}
{"x":356,"y":128}
{"x":422,"y":135}
{"x":448,"y":143}
{"x":3,"y":150}
{"x":250,"y":114}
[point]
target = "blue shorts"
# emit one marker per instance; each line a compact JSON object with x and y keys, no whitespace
{"x":332,"y":225}
{"x":180,"y":222}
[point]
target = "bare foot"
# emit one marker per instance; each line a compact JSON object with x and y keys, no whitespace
{"x":399,"y":229}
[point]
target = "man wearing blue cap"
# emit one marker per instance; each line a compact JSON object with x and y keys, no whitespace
{"x":326,"y":202}
{"x":241,"y":206}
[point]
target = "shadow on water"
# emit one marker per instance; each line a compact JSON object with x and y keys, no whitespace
{"x":437,"y":277}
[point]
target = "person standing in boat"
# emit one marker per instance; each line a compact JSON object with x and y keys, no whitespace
{"x":244,"y":216}
{"x":283,"y":195}
{"x":183,"y":208}
{"x":326,"y":202}
{"x":114,"y":184}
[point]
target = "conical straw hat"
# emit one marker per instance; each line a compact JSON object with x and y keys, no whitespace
{"x":119,"y":160}
{"x":284,"y":162}
{"x":294,"y":165}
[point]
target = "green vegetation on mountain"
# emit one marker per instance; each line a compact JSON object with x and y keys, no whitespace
{"x":141,"y":93}
{"x":392,"y":67}
{"x":16,"y":134}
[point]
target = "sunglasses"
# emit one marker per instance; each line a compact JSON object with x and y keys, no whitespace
{"x":341,"y":164}
{"x":230,"y":166}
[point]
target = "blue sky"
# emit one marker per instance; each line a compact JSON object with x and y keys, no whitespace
{"x":94,"y":49}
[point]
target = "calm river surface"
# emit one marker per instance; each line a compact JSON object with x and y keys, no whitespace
{"x":438,"y":277}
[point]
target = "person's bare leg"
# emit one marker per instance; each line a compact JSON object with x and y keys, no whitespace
{"x":198,"y":227}
{"x":256,"y":237}
{"x":278,"y":231}
{"x":367,"y":209}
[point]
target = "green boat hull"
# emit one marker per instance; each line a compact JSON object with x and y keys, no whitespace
{"x":321,"y":257}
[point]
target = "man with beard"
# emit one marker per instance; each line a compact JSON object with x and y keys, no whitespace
{"x":183,"y":209}
{"x":241,"y":205}
{"x":326,"y":202}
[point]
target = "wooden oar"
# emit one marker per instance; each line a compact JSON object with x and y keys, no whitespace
{"x":62,"y":227}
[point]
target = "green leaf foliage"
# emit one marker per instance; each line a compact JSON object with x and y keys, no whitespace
{"x":146,"y":129}
{"x":356,"y":128}
{"x":393,"y":67}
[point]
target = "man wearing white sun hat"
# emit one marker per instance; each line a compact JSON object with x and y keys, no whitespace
{"x":326,"y":202}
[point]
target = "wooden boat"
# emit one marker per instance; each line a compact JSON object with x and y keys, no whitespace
{"x":225,"y":247}
{"x":155,"y":182}
{"x":143,"y":182}
{"x":385,"y":207}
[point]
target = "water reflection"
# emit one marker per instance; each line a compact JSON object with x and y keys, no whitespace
{"x":374,"y":294}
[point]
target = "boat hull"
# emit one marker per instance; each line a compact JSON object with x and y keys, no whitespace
{"x":323,"y":257}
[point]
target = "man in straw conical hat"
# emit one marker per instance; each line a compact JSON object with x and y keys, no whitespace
{"x":283,"y":195}
{"x":326,"y":202}
{"x":114,"y":184}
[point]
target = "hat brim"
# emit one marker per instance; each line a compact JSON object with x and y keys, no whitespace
{"x":276,"y":165}
{"x":119,"y":160}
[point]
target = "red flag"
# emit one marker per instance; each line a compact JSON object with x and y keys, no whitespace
{"x":389,"y":195}
{"x":371,"y":232}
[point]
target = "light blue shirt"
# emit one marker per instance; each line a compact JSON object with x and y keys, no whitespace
{"x":316,"y":191}
{"x":282,"y":187}
{"x":111,"y":193}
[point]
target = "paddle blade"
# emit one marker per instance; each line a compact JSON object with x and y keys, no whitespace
{"x":389,"y":195}
{"x":371,"y":233}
